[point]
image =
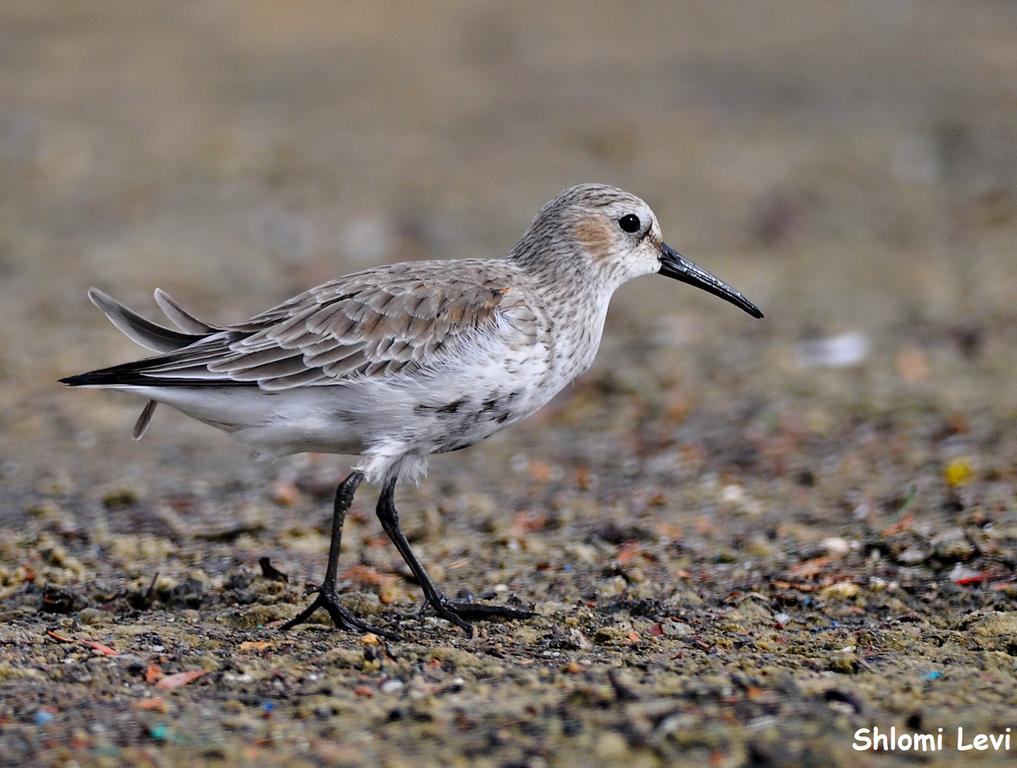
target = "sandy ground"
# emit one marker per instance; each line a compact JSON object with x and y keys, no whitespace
{"x":743,"y":541}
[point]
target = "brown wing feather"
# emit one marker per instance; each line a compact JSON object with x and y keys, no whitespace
{"x":393,"y":319}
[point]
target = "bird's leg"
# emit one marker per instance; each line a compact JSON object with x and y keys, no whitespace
{"x":327,"y":597}
{"x":459,"y":613}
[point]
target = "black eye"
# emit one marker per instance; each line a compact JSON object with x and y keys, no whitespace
{"x":629,"y":223}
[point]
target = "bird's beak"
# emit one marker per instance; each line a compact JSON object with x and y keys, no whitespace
{"x":673,"y":264}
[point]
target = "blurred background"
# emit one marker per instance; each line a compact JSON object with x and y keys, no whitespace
{"x":850,"y":167}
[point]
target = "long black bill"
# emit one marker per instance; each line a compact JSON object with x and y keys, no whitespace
{"x":673,"y":264}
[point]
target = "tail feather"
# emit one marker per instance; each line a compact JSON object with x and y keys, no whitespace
{"x":144,"y":332}
{"x":138,"y":329}
{"x":136,"y":374}
{"x":150,"y":335}
{"x":180,"y":317}
{"x":144,"y":419}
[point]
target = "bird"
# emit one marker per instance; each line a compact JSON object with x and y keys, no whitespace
{"x":398,"y":362}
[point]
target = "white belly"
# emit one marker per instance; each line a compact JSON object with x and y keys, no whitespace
{"x":395,"y":422}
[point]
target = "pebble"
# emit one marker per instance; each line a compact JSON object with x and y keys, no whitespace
{"x":842,"y":590}
{"x":392,"y":685}
{"x":611,"y":747}
{"x":845,"y":664}
{"x":912,"y":556}
{"x":953,"y":544}
{"x":93,"y":616}
{"x":836,"y":545}
{"x":675,"y":628}
{"x":613,"y":587}
{"x":578,"y":640}
{"x":609,"y":635}
{"x":118,"y":498}
{"x":758,"y":546}
{"x":132,"y":663}
{"x":994,"y":631}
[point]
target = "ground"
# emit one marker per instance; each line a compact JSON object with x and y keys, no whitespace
{"x":744,"y":540}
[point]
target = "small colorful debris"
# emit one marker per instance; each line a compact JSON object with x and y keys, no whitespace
{"x":963,"y":576}
{"x":178,"y":680}
{"x":105,"y":650}
{"x":958,"y":472}
{"x":152,"y":704}
{"x":43,"y":716}
{"x":98,"y":647}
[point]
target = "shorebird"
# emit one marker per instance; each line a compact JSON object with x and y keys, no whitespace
{"x":398,"y":362}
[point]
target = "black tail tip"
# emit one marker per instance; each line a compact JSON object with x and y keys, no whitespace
{"x":75,"y":381}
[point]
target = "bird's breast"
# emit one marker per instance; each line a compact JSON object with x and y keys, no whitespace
{"x":575,"y":331}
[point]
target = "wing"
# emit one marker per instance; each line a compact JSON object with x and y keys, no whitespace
{"x":382,"y":322}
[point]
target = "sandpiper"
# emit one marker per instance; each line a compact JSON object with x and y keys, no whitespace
{"x":395,"y":363}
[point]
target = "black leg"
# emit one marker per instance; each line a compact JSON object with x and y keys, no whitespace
{"x":327,"y":597}
{"x":459,"y":613}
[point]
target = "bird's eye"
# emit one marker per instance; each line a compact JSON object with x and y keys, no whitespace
{"x":629,"y":222}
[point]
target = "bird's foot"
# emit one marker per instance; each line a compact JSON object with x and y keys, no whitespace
{"x":462,"y":612}
{"x":342,"y":618}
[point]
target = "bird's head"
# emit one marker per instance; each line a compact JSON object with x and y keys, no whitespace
{"x":614,"y":236}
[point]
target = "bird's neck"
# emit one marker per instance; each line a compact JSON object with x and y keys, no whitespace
{"x":564,"y":272}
